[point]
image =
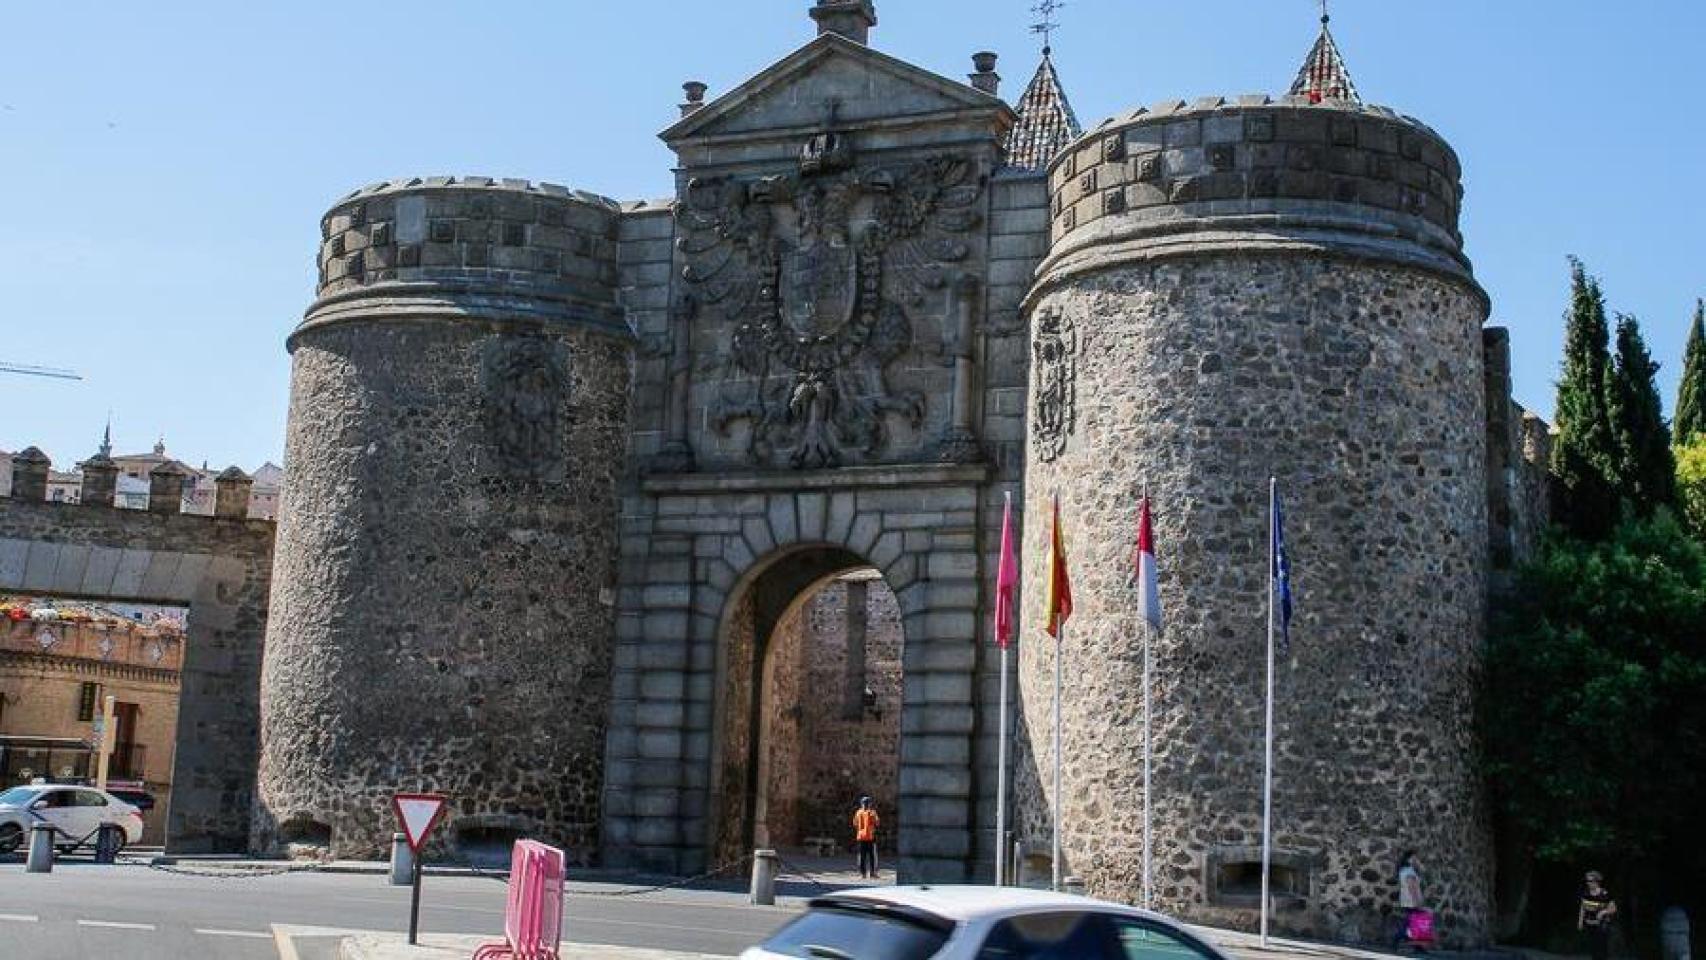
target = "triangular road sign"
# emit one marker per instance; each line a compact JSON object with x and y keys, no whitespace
{"x":418,"y":813}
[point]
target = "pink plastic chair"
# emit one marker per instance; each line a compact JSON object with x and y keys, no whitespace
{"x":533,"y":917}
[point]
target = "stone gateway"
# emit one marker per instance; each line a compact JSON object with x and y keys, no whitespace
{"x":601,"y":512}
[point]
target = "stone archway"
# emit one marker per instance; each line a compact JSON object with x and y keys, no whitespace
{"x":810,"y":680}
{"x":693,"y":545}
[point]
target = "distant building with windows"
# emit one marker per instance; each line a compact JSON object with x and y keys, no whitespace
{"x":131,"y":493}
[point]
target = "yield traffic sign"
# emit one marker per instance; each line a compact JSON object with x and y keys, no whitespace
{"x":419,"y":813}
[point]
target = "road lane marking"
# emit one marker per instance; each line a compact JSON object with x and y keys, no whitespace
{"x":19,"y":918}
{"x":115,"y":925}
{"x":253,"y":934}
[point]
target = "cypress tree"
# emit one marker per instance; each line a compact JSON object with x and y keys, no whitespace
{"x":1644,"y":477}
{"x":1691,"y":396}
{"x":1585,"y":455}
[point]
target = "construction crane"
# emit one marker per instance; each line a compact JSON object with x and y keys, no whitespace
{"x":30,"y":370}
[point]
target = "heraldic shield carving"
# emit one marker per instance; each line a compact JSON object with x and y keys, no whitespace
{"x":525,"y":380}
{"x":820,"y":273}
{"x":1055,"y":360}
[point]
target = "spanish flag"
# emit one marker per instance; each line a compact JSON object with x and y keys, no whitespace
{"x":1059,"y":600}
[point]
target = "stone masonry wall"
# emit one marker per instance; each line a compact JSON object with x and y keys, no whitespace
{"x":442,"y":609}
{"x":437,"y":627}
{"x":1240,"y":290}
{"x":221,"y":569}
{"x":1359,"y":389}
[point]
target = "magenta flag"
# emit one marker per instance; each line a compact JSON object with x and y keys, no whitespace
{"x":1006,"y":579}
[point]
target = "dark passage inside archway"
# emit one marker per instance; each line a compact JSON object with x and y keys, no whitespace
{"x":809,"y":708}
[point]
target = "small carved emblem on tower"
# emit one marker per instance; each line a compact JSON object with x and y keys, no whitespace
{"x":1055,"y":360}
{"x":525,"y":383}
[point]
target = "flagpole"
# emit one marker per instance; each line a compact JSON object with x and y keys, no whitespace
{"x":1148,"y":745}
{"x":1001,"y":783}
{"x":1060,"y":632}
{"x":1001,"y":749}
{"x":1268,"y":736}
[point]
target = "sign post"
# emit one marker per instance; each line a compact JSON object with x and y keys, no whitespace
{"x":418,"y":813}
{"x":104,"y":732}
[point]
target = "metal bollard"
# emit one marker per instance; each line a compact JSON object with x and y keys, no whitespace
{"x":764,"y":864}
{"x":1073,"y":885}
{"x":402,"y":861}
{"x":1673,"y":934}
{"x":41,"y":850}
{"x":107,"y":845}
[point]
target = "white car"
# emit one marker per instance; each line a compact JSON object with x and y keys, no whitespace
{"x":77,"y":814}
{"x":977,"y":923}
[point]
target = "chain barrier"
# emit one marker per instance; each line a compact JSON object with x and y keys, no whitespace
{"x":789,"y":870}
{"x":502,"y":876}
{"x":672,"y":885}
{"x":225,"y":873}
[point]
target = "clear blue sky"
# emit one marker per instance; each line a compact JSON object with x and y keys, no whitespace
{"x":163,"y":166}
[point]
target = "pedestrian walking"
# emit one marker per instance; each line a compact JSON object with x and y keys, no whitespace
{"x":865,"y":821}
{"x":1595,"y":911}
{"x":1415,"y":925}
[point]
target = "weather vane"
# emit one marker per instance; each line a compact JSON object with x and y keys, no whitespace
{"x":1324,"y":16}
{"x":1046,"y":23}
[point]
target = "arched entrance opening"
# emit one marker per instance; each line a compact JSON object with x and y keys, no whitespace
{"x":808,"y":708}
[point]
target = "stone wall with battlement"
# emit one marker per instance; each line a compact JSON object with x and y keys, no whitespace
{"x":218,"y":567}
{"x":1358,"y":178}
{"x":480,"y":247}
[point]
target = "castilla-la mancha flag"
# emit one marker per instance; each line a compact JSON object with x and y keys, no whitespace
{"x":1059,"y":598}
{"x":1006,"y":580}
{"x":1148,"y":586}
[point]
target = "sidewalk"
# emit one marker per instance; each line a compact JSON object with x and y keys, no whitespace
{"x":436,"y":947}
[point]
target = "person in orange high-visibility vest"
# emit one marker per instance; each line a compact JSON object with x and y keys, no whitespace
{"x":865,"y":822}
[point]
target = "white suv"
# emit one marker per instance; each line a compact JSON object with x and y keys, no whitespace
{"x":977,"y":923}
{"x":76,"y":813}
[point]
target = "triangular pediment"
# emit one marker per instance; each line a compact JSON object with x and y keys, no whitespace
{"x":866,"y":86}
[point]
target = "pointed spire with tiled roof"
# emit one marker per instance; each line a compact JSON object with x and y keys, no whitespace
{"x":1324,"y":76}
{"x":1046,"y":121}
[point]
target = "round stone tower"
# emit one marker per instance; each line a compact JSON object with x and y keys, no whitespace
{"x":1239,"y":289}
{"x":441,"y":613}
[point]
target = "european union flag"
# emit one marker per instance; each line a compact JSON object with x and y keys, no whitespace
{"x":1282,"y":576}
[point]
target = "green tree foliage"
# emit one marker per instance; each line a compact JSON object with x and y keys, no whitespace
{"x":1594,"y":718}
{"x":1691,"y":484}
{"x":1584,"y":456}
{"x":1644,"y":471}
{"x":1691,"y":395}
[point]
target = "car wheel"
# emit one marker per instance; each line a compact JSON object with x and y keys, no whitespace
{"x":11,"y":838}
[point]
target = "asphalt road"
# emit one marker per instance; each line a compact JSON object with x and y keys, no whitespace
{"x":124,"y":912}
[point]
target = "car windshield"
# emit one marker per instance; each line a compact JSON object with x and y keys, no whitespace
{"x":835,"y":933}
{"x":17,"y":796}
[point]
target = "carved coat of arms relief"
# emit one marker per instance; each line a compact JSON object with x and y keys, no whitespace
{"x":1054,"y":362}
{"x":525,"y":380}
{"x":821,"y":275}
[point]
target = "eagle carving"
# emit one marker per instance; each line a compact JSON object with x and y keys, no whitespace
{"x":818,"y":273}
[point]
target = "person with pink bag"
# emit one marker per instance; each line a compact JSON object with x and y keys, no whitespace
{"x":1417,"y":928}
